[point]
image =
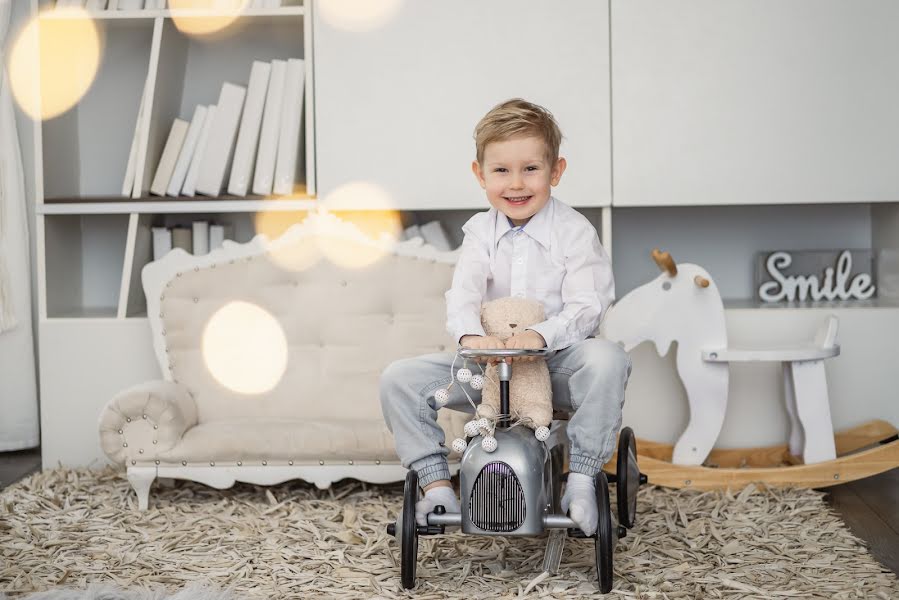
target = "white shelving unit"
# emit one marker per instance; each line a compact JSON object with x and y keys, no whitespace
{"x":91,"y":242}
{"x":712,"y":131}
{"x":421,"y":81}
{"x":753,"y":103}
{"x":81,"y":155}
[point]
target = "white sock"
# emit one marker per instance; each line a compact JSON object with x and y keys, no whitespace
{"x":579,"y":502}
{"x":433,"y":497}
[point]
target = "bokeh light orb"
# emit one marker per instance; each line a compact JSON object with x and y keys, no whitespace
{"x":188,"y":17}
{"x":245,"y":348}
{"x":372,"y":213}
{"x":53,"y":62}
{"x":357,"y":15}
{"x":298,"y":255}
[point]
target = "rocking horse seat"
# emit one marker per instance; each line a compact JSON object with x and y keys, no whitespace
{"x":798,"y":353}
{"x":805,"y":387}
{"x":823,"y":346}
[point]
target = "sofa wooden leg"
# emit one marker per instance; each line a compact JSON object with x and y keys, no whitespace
{"x":141,"y":479}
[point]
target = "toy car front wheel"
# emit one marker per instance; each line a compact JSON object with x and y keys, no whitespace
{"x":605,"y":539}
{"x":409,"y":533}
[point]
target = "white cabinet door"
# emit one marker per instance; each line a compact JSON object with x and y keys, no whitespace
{"x":84,"y":363}
{"x":754,"y":102}
{"x":397,"y":104}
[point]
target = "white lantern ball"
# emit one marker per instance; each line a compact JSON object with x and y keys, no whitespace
{"x":471,"y":428}
{"x":441,"y":396}
{"x":489,"y":443}
{"x":459,"y":445}
{"x":477,"y":382}
{"x":463,"y":375}
{"x":542,"y":433}
{"x":483,"y":424}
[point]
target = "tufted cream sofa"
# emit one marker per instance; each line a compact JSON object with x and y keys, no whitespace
{"x":314,"y":335}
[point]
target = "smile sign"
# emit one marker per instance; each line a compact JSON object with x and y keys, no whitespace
{"x":790,"y":276}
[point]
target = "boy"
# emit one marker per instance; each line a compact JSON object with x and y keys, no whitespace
{"x":533,"y":246}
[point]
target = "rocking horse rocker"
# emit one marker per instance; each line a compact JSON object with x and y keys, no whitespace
{"x":814,"y":456}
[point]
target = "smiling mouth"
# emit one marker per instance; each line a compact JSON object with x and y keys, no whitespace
{"x":517,"y":199}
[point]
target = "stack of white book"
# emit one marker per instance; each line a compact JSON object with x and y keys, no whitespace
{"x":200,"y":238}
{"x":431,"y":233}
{"x":246,"y":143}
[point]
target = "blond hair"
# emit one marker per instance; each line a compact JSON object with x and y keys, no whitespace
{"x":516,"y":118}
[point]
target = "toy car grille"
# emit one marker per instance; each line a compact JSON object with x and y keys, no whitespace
{"x":497,"y":499}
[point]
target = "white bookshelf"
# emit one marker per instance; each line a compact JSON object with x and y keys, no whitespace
{"x":81,"y":156}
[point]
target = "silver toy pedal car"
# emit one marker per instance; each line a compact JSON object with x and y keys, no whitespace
{"x":516,"y":489}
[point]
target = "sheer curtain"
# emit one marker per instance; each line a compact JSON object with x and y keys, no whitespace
{"x":18,"y":378}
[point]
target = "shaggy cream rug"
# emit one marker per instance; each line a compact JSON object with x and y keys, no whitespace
{"x":63,"y":530}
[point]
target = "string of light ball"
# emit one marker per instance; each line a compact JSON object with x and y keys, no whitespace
{"x":480,"y":425}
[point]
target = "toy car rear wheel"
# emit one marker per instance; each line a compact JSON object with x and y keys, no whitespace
{"x":627,"y":477}
{"x":409,"y":533}
{"x":605,"y":539}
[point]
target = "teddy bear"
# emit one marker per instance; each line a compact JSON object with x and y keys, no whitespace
{"x":530,"y":392}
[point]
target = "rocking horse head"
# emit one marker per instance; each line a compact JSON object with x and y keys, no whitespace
{"x":682,"y":304}
{"x":681,"y":298}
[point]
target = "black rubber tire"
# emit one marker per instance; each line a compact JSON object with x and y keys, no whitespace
{"x":409,"y":545}
{"x":627,"y":477}
{"x":556,"y":460}
{"x":605,"y":538}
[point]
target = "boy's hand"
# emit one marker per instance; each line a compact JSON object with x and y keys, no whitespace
{"x":528,"y":339}
{"x":483,"y":342}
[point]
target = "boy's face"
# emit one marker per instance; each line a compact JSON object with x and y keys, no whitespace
{"x":517,"y":176}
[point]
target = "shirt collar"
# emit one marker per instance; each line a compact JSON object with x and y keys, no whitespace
{"x":538,"y":227}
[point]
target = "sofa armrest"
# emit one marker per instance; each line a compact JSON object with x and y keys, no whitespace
{"x":145,"y":420}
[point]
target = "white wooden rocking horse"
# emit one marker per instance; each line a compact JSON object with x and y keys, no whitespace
{"x":683,"y":304}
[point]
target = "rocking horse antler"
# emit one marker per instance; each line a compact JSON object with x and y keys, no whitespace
{"x":665,"y":262}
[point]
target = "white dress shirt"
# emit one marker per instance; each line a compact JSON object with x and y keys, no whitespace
{"x":555,"y":258}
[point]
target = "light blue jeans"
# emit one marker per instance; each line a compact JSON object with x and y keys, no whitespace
{"x":588,"y":378}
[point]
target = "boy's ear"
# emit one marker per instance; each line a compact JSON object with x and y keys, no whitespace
{"x":476,"y":169}
{"x":557,"y":171}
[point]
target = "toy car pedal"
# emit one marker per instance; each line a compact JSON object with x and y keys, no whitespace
{"x":554,"y":546}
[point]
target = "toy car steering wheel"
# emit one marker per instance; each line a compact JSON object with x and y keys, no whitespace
{"x":503,"y":352}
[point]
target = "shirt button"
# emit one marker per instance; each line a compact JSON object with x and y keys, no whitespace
{"x":519,"y":261}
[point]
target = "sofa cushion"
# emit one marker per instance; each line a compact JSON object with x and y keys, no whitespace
{"x":252,"y":440}
{"x":341,"y":328}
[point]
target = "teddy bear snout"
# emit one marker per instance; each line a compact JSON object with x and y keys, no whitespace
{"x":513,"y":325}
